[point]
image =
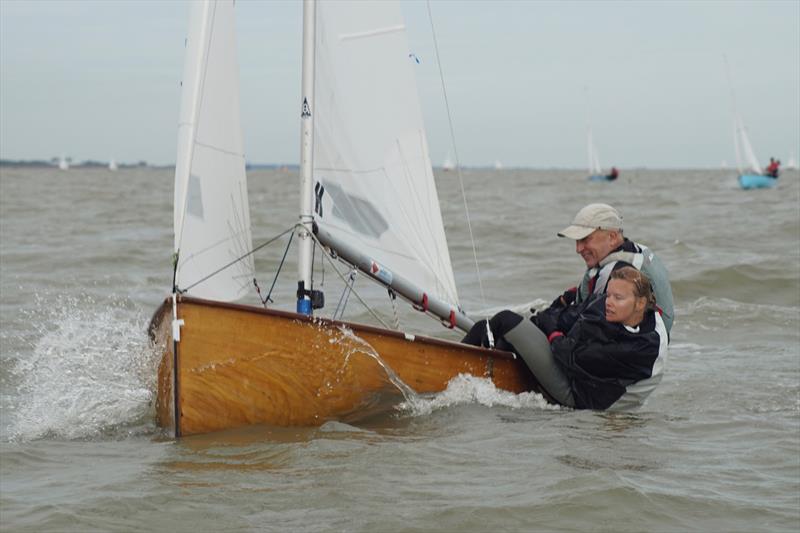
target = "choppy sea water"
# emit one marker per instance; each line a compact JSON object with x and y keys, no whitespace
{"x":85,"y":260}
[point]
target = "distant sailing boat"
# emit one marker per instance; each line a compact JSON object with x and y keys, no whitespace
{"x":595,"y":171}
{"x":750,"y":174}
{"x":792,"y":163}
{"x":448,"y":164}
{"x":367,"y":194}
{"x":63,"y":163}
{"x":112,"y":165}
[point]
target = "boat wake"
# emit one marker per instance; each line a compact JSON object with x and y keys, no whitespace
{"x":90,"y":372}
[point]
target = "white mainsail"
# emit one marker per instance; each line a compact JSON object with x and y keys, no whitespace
{"x":745,"y":157}
{"x":371,"y":152}
{"x":211,"y":212}
{"x":594,"y":159}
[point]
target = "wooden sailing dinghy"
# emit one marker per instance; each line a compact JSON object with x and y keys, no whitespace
{"x":240,"y":365}
{"x":366,"y":193}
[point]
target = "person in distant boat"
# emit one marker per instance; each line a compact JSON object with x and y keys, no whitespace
{"x":597,"y":232}
{"x":613,"y":174}
{"x":610,"y":354}
{"x":773,"y":167}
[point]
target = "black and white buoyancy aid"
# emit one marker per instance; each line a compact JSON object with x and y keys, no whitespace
{"x":611,"y":365}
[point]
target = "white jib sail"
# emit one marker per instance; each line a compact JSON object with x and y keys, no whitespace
{"x":212,"y":216}
{"x":594,"y":159}
{"x":371,"y":153}
{"x":745,"y":156}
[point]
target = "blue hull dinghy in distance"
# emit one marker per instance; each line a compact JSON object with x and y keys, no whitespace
{"x":756,"y":181}
{"x":751,"y":176}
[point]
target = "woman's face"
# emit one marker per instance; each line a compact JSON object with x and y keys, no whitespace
{"x":622,"y":305}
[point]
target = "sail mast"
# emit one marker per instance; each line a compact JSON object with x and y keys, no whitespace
{"x":306,"y":160}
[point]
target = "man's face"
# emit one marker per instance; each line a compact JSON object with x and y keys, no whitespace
{"x":596,"y":246}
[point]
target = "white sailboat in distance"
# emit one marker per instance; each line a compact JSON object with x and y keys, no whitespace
{"x":792,"y":163}
{"x":448,"y":164}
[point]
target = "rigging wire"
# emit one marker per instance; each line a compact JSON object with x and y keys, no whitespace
{"x":455,"y":150}
{"x":270,"y":241}
{"x":251,"y":252}
{"x":278,"y":273}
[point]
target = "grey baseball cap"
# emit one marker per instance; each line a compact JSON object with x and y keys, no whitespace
{"x":591,"y":218}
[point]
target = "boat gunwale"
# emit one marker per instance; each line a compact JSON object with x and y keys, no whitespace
{"x":479,"y":351}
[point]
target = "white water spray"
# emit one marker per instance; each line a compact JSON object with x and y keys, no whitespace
{"x":90,"y":372}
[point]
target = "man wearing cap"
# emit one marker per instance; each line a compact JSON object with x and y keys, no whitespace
{"x":597,"y":232}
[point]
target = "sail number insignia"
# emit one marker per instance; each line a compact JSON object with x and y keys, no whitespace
{"x":319,"y":190}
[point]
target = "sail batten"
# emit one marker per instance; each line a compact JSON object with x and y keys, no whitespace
{"x":373,"y":33}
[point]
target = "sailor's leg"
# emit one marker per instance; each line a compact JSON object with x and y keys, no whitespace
{"x":531,"y":344}
{"x":476,"y":335}
{"x":500,"y":323}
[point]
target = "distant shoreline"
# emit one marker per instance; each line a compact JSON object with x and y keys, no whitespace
{"x":40,"y":163}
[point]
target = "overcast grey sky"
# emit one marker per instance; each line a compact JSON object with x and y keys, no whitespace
{"x":100,"y":79}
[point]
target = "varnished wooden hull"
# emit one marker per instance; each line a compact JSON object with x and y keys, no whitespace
{"x":240,"y":365}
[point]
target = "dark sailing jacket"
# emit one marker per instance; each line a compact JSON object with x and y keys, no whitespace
{"x":609,"y":364}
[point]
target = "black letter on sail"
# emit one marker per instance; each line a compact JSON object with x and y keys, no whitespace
{"x":306,"y":109}
{"x":320,"y":190}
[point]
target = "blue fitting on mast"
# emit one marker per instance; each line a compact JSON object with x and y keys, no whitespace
{"x":304,"y":306}
{"x":303,"y":303}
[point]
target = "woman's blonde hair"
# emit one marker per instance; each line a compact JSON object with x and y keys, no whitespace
{"x":642,"y":288}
